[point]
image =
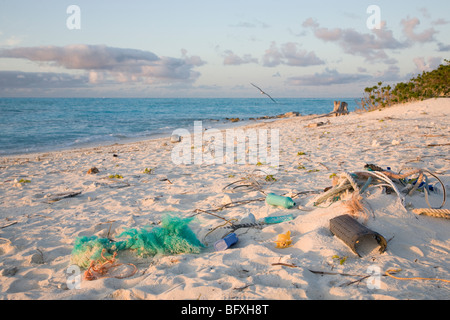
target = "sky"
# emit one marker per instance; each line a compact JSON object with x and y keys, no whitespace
{"x":216,"y":49}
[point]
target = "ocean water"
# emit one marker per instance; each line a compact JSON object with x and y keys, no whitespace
{"x":30,"y":125}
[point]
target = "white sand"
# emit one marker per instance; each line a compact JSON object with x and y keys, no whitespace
{"x":36,"y":237}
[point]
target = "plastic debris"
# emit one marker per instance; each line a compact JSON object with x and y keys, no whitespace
{"x":280,"y":201}
{"x":173,"y":237}
{"x":247,"y":219}
{"x":356,"y":236}
{"x":226,"y":242}
{"x":175,"y":138}
{"x":278,"y":219}
{"x":284,"y":240}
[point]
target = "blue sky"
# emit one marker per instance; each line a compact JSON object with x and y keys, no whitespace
{"x":214,"y":48}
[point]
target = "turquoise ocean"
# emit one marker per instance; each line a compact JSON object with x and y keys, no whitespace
{"x":29,"y":125}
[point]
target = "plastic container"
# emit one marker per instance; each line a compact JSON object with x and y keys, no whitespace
{"x":225,"y":243}
{"x":280,"y":201}
{"x":278,"y":219}
{"x":249,"y":218}
{"x":175,"y":138}
{"x":359,"y":238}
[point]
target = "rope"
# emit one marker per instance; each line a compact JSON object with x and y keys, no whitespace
{"x":418,"y":182}
{"x":349,"y":177}
{"x":437,"y":213}
{"x":234,"y":227}
{"x":97,"y":269}
{"x":388,"y":175}
{"x":383,"y":177}
{"x":340,"y":187}
{"x":401,"y":176}
{"x":412,"y":278}
{"x":443,"y":190}
{"x":337,"y":189}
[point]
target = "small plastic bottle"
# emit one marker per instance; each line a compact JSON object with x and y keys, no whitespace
{"x":225,"y":243}
{"x":276,"y":200}
{"x":279,"y":219}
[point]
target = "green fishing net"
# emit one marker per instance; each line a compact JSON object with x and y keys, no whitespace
{"x":173,"y":236}
{"x":87,"y":249}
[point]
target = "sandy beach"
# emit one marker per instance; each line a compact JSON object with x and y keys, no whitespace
{"x":38,"y":231}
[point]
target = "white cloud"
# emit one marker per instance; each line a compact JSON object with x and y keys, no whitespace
{"x":443,"y":47}
{"x":272,"y":56}
{"x":440,"y":22}
{"x":232,"y":59}
{"x":89,"y":57}
{"x":255,"y":24}
{"x":11,"y":41}
{"x":409,"y":26}
{"x":18,"y":79}
{"x":429,"y":64}
{"x":371,"y":46}
{"x":290,"y":55}
{"x":326,"y":78}
{"x":102,"y":62}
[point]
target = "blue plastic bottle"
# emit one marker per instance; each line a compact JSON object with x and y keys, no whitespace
{"x":226,"y":242}
{"x":276,"y":200}
{"x":279,"y":219}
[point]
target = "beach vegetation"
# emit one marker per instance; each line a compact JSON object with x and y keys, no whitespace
{"x":24,"y":181}
{"x":115,"y":176}
{"x":427,"y":85}
{"x":148,"y":171}
{"x":341,"y":260}
{"x":270,"y":178}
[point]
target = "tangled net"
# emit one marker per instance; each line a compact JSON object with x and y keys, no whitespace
{"x":98,"y":255}
{"x":98,"y":269}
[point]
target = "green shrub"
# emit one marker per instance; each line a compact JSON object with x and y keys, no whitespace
{"x":430,"y":84}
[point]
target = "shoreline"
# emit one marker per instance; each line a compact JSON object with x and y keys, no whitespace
{"x":101,"y":137}
{"x":229,"y":124}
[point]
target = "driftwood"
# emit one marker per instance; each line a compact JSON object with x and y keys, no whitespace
{"x":61,"y":196}
{"x":340,"y":108}
{"x":8,"y":225}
